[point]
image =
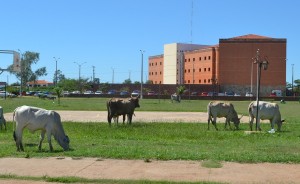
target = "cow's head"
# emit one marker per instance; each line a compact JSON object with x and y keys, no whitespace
{"x":236,"y":120}
{"x":64,"y":142}
{"x":135,"y":101}
{"x":279,"y":124}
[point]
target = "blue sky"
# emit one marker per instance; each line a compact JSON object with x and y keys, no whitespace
{"x":110,"y":34}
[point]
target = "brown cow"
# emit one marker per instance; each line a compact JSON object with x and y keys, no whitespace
{"x":121,"y":106}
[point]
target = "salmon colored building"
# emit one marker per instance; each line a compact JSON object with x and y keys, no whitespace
{"x":230,"y":64}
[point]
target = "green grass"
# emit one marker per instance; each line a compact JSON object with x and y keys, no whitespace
{"x":165,"y":141}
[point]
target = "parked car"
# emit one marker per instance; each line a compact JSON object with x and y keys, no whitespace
{"x":6,"y":94}
{"x":151,"y":93}
{"x":98,"y":92}
{"x":88,"y":92}
{"x":212,"y":94}
{"x":124,"y":93}
{"x":195,"y":93}
{"x":204,"y":93}
{"x":135,"y":93}
{"x":112,"y":92}
{"x":249,"y":94}
{"x":229,"y":93}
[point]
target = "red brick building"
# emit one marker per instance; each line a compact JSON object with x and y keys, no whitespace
{"x":228,"y":64}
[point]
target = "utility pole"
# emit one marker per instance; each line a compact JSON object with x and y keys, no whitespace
{"x":79,"y":68}
{"x":142,"y":52}
{"x":56,"y":59}
{"x":113,"y":75}
{"x":293,"y":79}
{"x":93,"y":73}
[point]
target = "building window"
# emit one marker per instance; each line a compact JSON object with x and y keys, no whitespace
{"x":193,"y":59}
{"x":199,"y":69}
{"x":205,"y":69}
{"x":160,"y":73}
{"x":189,"y":71}
{"x":209,"y":69}
{"x":188,"y":81}
{"x":160,"y":63}
{"x":208,"y":80}
{"x":189,"y":59}
{"x":208,"y":57}
{"x":205,"y":58}
{"x":199,"y":58}
{"x":184,"y":70}
{"x":204,"y":81}
{"x":184,"y":60}
{"x":199,"y":81}
{"x":155,"y":64}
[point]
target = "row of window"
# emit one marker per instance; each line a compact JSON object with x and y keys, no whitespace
{"x":205,"y":81}
{"x":200,"y":70}
{"x":185,"y":71}
{"x":200,"y":59}
{"x":152,"y":73}
{"x":152,"y":64}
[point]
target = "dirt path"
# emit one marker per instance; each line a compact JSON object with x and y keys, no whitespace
{"x":138,"y":169}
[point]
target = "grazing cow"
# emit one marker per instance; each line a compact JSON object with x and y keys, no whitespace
{"x":175,"y":97}
{"x":47,"y":121}
{"x":2,"y":119}
{"x":222,"y":109}
{"x":121,"y":106}
{"x":266,"y":110}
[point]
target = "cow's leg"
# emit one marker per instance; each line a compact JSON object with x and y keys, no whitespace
{"x":214,"y":122}
{"x":129,"y":116}
{"x":258,"y":124}
{"x":208,"y":121}
{"x":124,"y":117}
{"x":251,"y":122}
{"x":4,"y":122}
{"x":42,"y":136}
{"x":18,"y":138}
{"x":49,"y":140}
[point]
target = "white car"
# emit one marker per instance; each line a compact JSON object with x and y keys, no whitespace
{"x":249,"y":94}
{"x":98,"y":92}
{"x":7,"y":94}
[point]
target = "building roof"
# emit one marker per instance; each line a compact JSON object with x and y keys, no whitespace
{"x":37,"y":82}
{"x":251,"y":36}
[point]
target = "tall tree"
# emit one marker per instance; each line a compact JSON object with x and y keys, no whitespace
{"x":60,"y":76}
{"x":26,"y":74}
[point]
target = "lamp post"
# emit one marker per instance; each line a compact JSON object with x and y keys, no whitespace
{"x":260,"y":63}
{"x":56,"y":59}
{"x":293,"y":79}
{"x":79,"y":68}
{"x":142,"y":52}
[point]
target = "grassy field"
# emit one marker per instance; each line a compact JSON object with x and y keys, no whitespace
{"x":163,"y":141}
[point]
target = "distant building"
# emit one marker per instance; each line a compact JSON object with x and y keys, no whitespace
{"x":39,"y":83}
{"x":228,"y":64}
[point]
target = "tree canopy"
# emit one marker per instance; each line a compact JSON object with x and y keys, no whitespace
{"x":26,"y":74}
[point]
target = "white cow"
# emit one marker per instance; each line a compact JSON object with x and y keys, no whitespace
{"x":266,"y":110}
{"x":35,"y":118}
{"x":2,"y":119}
{"x":222,"y":109}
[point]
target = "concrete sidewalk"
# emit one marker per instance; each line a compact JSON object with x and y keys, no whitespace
{"x":93,"y":168}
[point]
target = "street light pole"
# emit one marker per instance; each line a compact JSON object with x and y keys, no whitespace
{"x":293,"y":79}
{"x":79,"y":68}
{"x":142,"y":52}
{"x":56,"y":59}
{"x":260,"y":63}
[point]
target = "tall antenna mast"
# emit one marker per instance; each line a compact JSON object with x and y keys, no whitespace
{"x":192,"y":14}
